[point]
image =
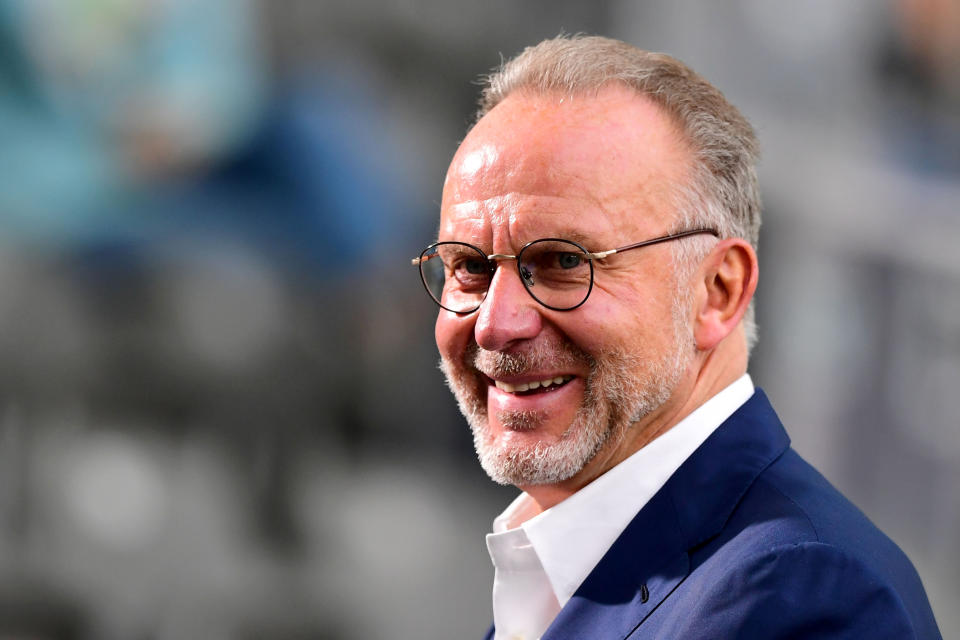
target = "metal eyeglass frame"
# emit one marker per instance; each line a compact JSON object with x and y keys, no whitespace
{"x":524,"y":278}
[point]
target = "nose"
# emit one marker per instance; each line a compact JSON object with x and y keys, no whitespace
{"x":508,"y":314}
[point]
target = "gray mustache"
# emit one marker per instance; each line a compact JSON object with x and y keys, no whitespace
{"x":558,"y":354}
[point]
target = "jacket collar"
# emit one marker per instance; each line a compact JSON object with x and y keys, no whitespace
{"x":651,"y":557}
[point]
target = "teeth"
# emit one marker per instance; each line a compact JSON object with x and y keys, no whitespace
{"x":526,"y":386}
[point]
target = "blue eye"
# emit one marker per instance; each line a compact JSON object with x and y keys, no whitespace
{"x":568,"y":260}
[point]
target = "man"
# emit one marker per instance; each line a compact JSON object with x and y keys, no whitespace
{"x":595,"y":268}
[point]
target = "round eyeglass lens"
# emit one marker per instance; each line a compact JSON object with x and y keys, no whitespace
{"x":557,"y":273}
{"x":456,"y":275}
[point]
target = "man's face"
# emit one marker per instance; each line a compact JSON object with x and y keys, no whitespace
{"x":600,"y":171}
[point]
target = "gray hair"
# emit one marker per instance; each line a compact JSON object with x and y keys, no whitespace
{"x":722,"y":192}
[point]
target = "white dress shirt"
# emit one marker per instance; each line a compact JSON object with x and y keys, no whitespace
{"x":541,"y":560}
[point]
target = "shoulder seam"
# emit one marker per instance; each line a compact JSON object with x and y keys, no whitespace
{"x":796,"y":504}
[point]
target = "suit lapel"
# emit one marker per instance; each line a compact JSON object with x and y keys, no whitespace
{"x":709,"y":485}
{"x":641,"y":569}
{"x":650,"y":558}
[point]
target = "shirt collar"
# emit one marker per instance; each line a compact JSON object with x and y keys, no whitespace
{"x":571,"y":537}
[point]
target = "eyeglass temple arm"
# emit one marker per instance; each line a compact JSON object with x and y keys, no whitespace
{"x":422,"y":259}
{"x":600,"y":255}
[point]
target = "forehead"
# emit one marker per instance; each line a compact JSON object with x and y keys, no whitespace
{"x":554,"y":164}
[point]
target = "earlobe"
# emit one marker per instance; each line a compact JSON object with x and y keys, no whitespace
{"x":728,"y":280}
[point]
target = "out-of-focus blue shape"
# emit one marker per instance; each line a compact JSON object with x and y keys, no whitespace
{"x":129,"y":124}
{"x":103,"y":101}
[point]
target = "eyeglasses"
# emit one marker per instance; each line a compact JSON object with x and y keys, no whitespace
{"x":557,"y":273}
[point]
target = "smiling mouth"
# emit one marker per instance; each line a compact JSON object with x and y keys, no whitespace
{"x":534,"y":386}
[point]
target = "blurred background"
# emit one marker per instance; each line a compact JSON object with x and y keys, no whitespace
{"x":220,"y":411}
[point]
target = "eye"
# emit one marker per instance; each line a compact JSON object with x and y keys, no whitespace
{"x":568,"y":260}
{"x":471,"y":273}
{"x":475,"y":266}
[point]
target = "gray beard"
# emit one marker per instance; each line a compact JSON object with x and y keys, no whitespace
{"x":620,"y":390}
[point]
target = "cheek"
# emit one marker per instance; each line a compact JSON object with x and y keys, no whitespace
{"x":616,"y":326}
{"x":601,"y":325}
{"x":453,"y":333}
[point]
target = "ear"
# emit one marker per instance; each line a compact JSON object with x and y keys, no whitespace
{"x":728,"y":279}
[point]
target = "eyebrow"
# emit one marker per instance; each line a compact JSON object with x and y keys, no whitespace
{"x":579,"y":237}
{"x":576,"y":236}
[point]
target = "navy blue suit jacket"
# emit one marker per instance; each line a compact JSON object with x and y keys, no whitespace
{"x":747,"y":540}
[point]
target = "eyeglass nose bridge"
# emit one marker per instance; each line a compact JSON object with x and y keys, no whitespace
{"x":525,"y":274}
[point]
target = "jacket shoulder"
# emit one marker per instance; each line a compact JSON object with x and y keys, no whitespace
{"x":795,"y":541}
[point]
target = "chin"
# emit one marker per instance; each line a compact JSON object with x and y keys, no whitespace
{"x":540,"y":463}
